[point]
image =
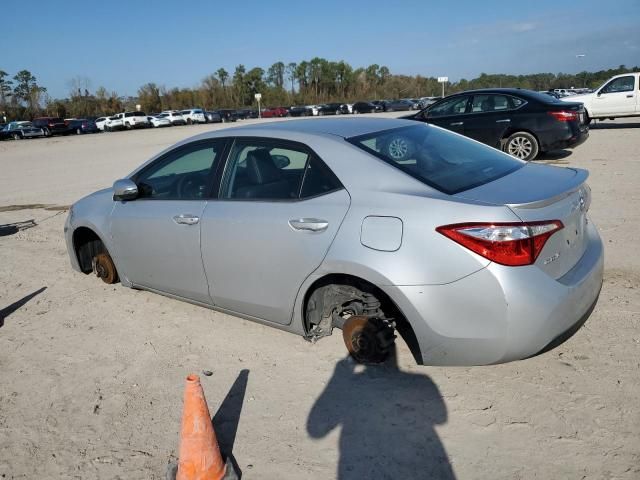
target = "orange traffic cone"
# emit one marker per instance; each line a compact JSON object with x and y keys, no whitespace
{"x":199,"y":455}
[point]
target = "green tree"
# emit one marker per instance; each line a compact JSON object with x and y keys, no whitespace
{"x":291,"y":74}
{"x":275,"y":74}
{"x":149,"y":98}
{"x":5,"y":89}
{"x":223,"y":76}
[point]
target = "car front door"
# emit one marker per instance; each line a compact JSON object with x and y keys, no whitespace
{"x":157,"y":235}
{"x":278,"y":211}
{"x":489,"y":117}
{"x":618,"y":97}
{"x":449,"y":113}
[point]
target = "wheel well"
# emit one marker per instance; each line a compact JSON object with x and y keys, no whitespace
{"x":87,"y":245}
{"x":388,"y":306}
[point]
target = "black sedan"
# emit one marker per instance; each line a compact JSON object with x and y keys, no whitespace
{"x":20,"y":131}
{"x":523,"y":123}
{"x":329,"y":109}
{"x":300,"y":111}
{"x":364,"y":107}
{"x":82,"y":125}
{"x":398,"y":105}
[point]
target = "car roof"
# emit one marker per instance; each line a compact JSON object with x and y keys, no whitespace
{"x":341,"y":127}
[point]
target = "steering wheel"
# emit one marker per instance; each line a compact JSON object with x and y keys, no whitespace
{"x":191,"y":185}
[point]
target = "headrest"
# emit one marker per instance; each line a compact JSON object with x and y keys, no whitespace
{"x":260,"y":167}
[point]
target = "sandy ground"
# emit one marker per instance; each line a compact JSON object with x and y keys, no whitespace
{"x":91,"y":375}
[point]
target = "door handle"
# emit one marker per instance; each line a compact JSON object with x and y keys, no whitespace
{"x":186,"y":219}
{"x":456,"y":124}
{"x":506,"y":120}
{"x":309,"y":224}
{"x":630,"y":96}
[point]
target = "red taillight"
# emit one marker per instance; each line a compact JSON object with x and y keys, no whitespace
{"x":564,"y":115}
{"x":512,"y":244}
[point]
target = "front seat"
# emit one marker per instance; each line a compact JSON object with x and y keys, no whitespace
{"x":265,"y":179}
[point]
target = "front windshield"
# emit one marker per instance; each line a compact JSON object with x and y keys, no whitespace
{"x":444,"y":160}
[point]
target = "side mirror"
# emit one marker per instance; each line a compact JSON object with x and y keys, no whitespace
{"x":281,"y":161}
{"x":125,"y":189}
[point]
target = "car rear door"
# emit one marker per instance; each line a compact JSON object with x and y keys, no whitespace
{"x":617,"y":97}
{"x":489,"y":117}
{"x":157,"y":235}
{"x":278,"y":211}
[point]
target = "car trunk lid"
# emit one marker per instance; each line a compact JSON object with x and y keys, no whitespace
{"x":540,"y":193}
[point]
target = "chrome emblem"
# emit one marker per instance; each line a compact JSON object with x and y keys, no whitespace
{"x":582,"y":203}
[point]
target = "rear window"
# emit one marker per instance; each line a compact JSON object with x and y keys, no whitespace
{"x":135,"y":114}
{"x":443,"y":160}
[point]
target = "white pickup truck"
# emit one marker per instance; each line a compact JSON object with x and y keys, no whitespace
{"x":618,"y":97}
{"x":127,"y":120}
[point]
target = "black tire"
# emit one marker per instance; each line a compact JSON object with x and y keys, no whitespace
{"x":189,"y":121}
{"x":16,"y":136}
{"x":587,"y":118}
{"x":127,"y":126}
{"x":522,"y":145}
{"x":78,"y":131}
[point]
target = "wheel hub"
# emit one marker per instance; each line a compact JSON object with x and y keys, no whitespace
{"x":367,"y":339}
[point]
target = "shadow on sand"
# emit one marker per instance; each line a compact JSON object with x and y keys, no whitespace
{"x":387,"y":419}
{"x":5,"y":312}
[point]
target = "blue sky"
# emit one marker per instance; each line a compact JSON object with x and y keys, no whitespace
{"x":123,"y":44}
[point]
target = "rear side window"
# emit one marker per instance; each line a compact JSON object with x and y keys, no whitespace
{"x":441,"y":159}
{"x":318,"y":179}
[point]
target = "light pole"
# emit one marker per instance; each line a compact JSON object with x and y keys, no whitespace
{"x":584,"y":79}
{"x":258,"y":97}
{"x":443,"y":80}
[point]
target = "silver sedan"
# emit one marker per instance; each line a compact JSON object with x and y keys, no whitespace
{"x":371,"y":226}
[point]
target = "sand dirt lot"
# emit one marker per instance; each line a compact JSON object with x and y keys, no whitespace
{"x":91,"y":375}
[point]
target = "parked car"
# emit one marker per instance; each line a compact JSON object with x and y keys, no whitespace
{"x":22,"y":130}
{"x":101,"y":122}
{"x":452,"y":220}
{"x":82,"y":125}
{"x":329,"y":109}
{"x":617,"y":97}
{"x":212,"y":117}
{"x":300,"y":111}
{"x":244,"y":113}
{"x":314,"y":109}
{"x":51,"y":125}
{"x":523,"y":123}
{"x":227,"y":115}
{"x":398,"y":105}
{"x":174,"y":117}
{"x":158,"y":122}
{"x":381,"y":105}
{"x":424,"y":102}
{"x":194,"y":115}
{"x":363,"y":107}
{"x":275,"y":112}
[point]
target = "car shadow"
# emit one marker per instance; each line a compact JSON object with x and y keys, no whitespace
{"x":554,"y":156}
{"x":612,"y":126}
{"x":13,"y":228}
{"x":5,"y":312}
{"x":387,"y":419}
{"x":226,"y":419}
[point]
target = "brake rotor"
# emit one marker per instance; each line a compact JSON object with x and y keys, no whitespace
{"x":104,"y":268}
{"x":368,"y":339}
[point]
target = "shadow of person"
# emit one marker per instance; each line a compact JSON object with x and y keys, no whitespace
{"x":387,"y":420}
{"x":5,"y":312}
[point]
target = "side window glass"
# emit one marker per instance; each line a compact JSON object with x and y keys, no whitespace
{"x":184,"y":174}
{"x":263,"y":171}
{"x":622,"y":84}
{"x":318,"y":179}
{"x":455,"y":106}
{"x":489,"y":103}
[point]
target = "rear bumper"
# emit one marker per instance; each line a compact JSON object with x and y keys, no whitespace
{"x":571,"y":138}
{"x":500,"y":314}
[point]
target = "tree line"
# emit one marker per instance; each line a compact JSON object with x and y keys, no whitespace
{"x":283,"y":84}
